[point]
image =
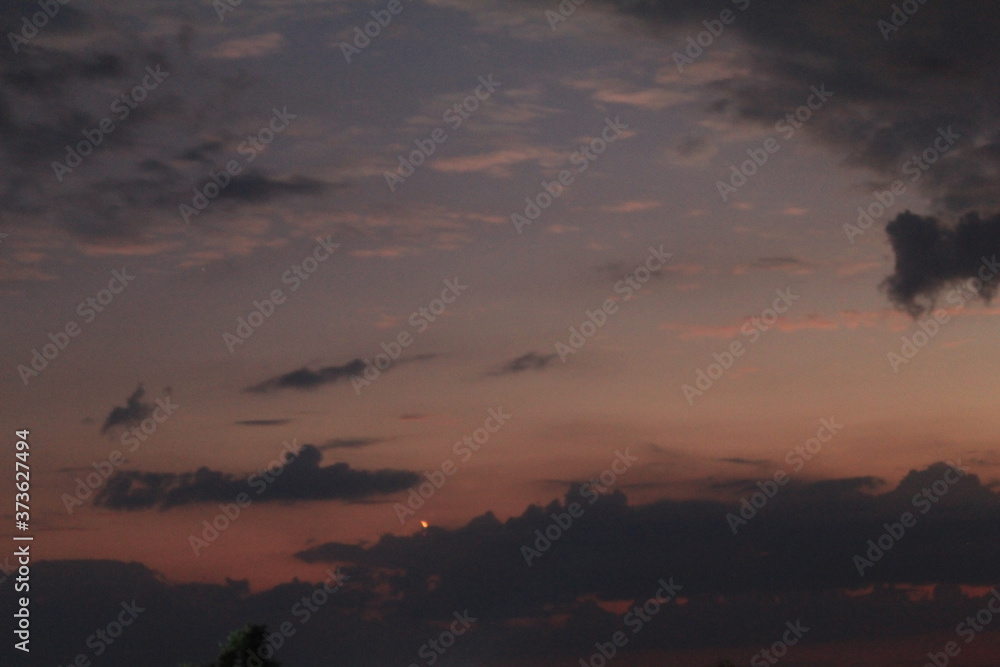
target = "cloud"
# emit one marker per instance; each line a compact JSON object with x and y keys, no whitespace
{"x":850,"y":320}
{"x":778,"y":263}
{"x":349,"y":443}
{"x":302,"y":478}
{"x":130,"y":414}
{"x":497,"y":163}
{"x":930,"y":255}
{"x":531,"y":361}
{"x":794,"y":557}
{"x":122,"y":198}
{"x":892,"y":93}
{"x":829,"y":520}
{"x":737,"y":460}
{"x":790,"y":265}
{"x":263,"y":422}
{"x":632,"y":206}
{"x":306,"y":379}
{"x":257,"y":187}
{"x":856,"y":268}
{"x":249,"y":47}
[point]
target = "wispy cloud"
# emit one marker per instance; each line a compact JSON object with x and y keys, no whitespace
{"x":530,"y":361}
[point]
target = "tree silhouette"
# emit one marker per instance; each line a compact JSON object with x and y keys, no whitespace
{"x":243,"y":648}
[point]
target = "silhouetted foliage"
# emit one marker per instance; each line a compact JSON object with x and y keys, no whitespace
{"x":243,"y":648}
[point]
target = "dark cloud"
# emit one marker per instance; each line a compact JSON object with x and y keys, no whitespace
{"x":746,"y":462}
{"x":256,"y":187}
{"x":130,"y":414}
{"x":263,"y":422}
{"x":306,"y":379}
{"x":531,"y":361}
{"x":302,"y":478}
{"x":930,"y":255}
{"x":805,"y":537}
{"x":350,"y":443}
{"x":792,"y":561}
{"x":891,"y":94}
{"x":190,"y":123}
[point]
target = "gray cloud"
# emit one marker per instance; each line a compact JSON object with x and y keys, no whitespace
{"x":746,"y":462}
{"x":302,"y":478}
{"x":930,"y":255}
{"x":890,"y":95}
{"x":190,"y":123}
{"x":794,"y":560}
{"x":531,"y":361}
{"x":130,"y":414}
{"x":304,"y":378}
{"x":350,"y":443}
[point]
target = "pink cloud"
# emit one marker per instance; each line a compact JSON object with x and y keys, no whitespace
{"x":632,"y":206}
{"x":249,"y":47}
{"x":857,"y":268}
{"x":849,"y":320}
{"x":495,"y":163}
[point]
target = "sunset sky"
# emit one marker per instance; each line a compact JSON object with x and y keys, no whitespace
{"x":672,"y":245}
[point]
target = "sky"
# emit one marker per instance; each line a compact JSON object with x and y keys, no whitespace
{"x":536,"y":312}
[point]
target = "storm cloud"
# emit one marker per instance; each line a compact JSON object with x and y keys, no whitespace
{"x":931,"y":255}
